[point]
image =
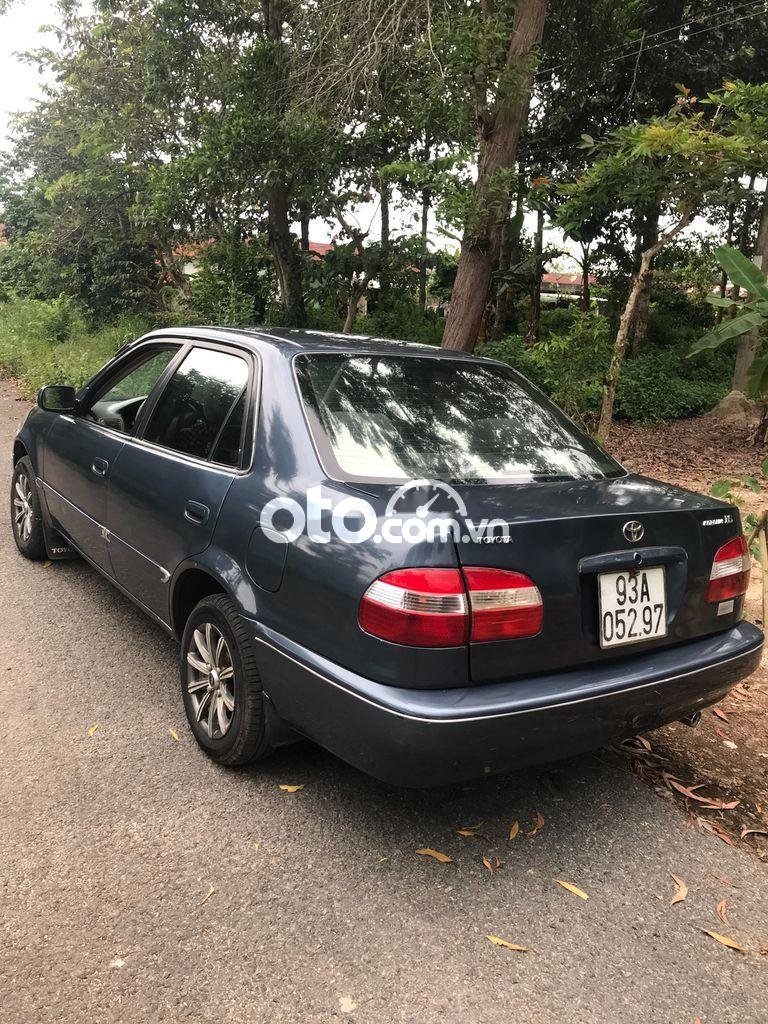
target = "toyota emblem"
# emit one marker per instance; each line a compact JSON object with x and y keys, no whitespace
{"x":633,"y":531}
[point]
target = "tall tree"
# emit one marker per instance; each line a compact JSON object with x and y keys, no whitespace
{"x":680,"y":162}
{"x":502,"y":94}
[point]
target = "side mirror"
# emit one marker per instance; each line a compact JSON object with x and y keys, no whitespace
{"x":56,"y":398}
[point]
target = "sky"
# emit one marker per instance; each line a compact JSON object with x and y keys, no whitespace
{"x":20,"y":83}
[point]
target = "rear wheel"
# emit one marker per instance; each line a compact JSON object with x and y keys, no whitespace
{"x":221,"y":685}
{"x":26,"y":514}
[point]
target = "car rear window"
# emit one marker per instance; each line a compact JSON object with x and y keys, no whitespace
{"x":393,"y":418}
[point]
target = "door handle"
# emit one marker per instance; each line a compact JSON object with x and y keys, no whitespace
{"x":196,"y":513}
{"x":100,"y":467}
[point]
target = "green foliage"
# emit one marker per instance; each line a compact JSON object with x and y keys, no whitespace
{"x":657,"y":384}
{"x":232,"y":283}
{"x":568,"y":366}
{"x":34,"y":353}
{"x":751,"y":315}
{"x":404,"y":319}
{"x":728,"y":490}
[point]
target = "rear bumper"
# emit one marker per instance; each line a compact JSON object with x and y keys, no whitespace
{"x":431,"y":737}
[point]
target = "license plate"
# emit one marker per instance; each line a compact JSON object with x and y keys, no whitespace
{"x":633,"y":606}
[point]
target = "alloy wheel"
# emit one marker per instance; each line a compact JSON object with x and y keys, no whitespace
{"x":211,"y":680}
{"x":23,"y":513}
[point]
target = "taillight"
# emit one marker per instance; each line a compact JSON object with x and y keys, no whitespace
{"x":730,"y":571}
{"x":503,"y":604}
{"x":417,"y":607}
{"x":447,"y":608}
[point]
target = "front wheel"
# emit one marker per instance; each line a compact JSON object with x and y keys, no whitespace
{"x":26,"y":514}
{"x":221,"y":685}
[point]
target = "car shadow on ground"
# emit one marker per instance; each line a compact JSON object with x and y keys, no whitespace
{"x":581,"y":796}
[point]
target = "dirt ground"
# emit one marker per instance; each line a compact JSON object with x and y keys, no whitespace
{"x":725,"y":758}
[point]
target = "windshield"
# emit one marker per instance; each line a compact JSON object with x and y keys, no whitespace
{"x":393,"y":418}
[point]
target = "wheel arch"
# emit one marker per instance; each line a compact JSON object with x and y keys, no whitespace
{"x":19,"y":450}
{"x":190,"y":586}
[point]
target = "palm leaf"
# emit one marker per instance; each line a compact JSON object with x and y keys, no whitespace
{"x":716,"y":300}
{"x":742,"y":271}
{"x":731,"y":329}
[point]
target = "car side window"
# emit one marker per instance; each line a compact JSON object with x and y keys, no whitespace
{"x":120,"y":404}
{"x":201,"y":410}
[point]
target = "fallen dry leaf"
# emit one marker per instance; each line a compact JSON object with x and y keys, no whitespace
{"x":426,"y":851}
{"x":290,"y":789}
{"x":538,"y":824}
{"x":205,"y":898}
{"x":720,"y":714}
{"x":680,"y":893}
{"x":466,"y":832}
{"x":174,"y":735}
{"x":724,"y":940}
{"x":572,"y":888}
{"x":710,"y":826}
{"x":722,"y":911}
{"x":488,"y":864}
{"x":507,"y":945}
{"x":93,"y":729}
{"x":47,"y":565}
{"x":754,"y":832}
{"x":688,"y":791}
{"x":514,"y":830}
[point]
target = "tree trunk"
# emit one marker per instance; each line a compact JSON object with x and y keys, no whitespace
{"x":585,"y":300}
{"x":498,"y":150}
{"x":349,"y":321}
{"x":385,"y":195}
{"x":724,"y":274}
{"x":357,"y":291}
{"x":749,"y":344}
{"x":426,"y":202}
{"x":533,"y":332}
{"x":304,"y":222}
{"x":509,"y":257}
{"x":639,"y":282}
{"x":287,"y":260}
{"x":649,"y":237}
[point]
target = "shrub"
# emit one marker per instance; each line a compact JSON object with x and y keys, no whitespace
{"x":232,"y":284}
{"x":568,"y":367}
{"x":35,"y":350}
{"x":657,"y":384}
{"x":403,"y":318}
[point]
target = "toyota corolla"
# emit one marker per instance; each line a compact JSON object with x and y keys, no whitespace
{"x":410,"y":556}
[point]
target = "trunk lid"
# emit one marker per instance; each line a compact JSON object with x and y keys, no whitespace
{"x":564,"y":534}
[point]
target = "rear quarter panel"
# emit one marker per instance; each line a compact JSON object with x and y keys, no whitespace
{"x":310,"y":591}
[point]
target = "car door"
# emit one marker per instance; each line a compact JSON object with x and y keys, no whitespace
{"x":168,"y":485}
{"x":81,"y":449}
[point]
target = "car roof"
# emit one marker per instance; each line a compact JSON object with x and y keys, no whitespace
{"x":290,"y":341}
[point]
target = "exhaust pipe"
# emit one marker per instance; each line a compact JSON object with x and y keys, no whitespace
{"x":692,"y":720}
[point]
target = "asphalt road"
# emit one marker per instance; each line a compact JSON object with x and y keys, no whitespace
{"x":321,"y":911}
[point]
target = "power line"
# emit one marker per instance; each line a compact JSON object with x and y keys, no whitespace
{"x":756,"y":5}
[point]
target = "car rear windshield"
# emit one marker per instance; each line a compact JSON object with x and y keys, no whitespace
{"x":393,"y":418}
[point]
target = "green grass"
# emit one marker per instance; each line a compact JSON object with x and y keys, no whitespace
{"x":51,"y":343}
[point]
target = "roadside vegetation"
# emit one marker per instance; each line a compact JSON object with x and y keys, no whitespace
{"x":182,"y":161}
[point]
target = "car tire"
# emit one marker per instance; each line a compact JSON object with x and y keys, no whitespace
{"x":26,"y":513}
{"x":221,"y":685}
